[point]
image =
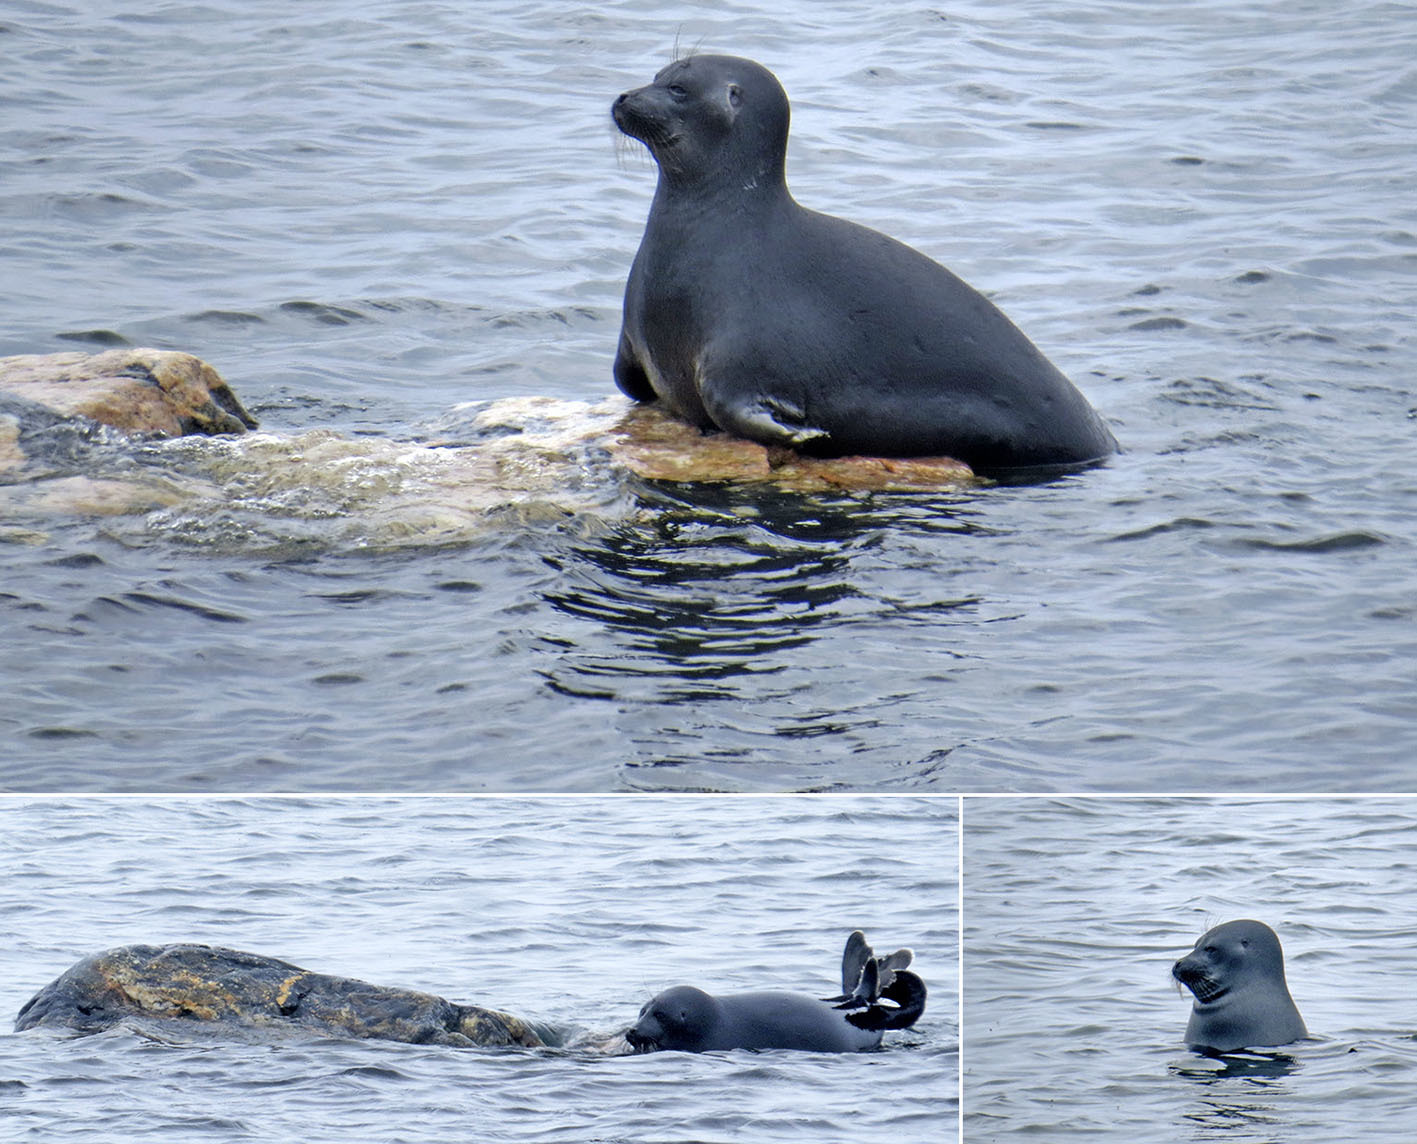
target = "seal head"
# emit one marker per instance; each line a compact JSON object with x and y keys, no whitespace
{"x":1236,"y":972}
{"x":747,"y":313}
{"x":683,"y":1018}
{"x":689,"y":118}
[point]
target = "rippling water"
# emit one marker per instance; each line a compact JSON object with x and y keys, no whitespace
{"x":571,"y":912}
{"x":1075,"y":912}
{"x":1203,"y":213}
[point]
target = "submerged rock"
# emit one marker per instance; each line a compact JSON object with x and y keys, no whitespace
{"x":518,"y":458}
{"x":211,"y":984}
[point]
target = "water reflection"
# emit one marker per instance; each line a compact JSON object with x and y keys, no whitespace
{"x":717,"y":583}
{"x":1248,"y":1065}
{"x":1238,"y":1110}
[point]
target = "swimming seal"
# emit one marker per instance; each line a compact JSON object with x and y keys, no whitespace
{"x":212,"y":984}
{"x":748,"y":313}
{"x":1236,"y":972}
{"x":690,"y":1020}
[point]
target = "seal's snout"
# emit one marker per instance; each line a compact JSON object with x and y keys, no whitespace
{"x":622,"y":110}
{"x":638,"y":1041}
{"x":1198,"y":978}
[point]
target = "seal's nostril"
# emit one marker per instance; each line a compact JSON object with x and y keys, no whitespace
{"x":619,"y":99}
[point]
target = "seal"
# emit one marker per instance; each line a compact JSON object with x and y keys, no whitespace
{"x":687,"y":1019}
{"x":212,"y":984}
{"x":748,"y":313}
{"x":1236,"y":972}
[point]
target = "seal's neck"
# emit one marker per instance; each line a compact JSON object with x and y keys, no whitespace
{"x":759,"y":193}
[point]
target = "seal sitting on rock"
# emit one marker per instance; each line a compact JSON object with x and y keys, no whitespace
{"x":748,"y":313}
{"x":690,"y":1020}
{"x":209,"y":983}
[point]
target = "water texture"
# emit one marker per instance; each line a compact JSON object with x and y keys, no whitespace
{"x":1201,"y":212}
{"x":1075,"y":912}
{"x":570,"y":912}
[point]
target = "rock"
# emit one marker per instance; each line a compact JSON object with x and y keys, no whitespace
{"x":12,"y":457}
{"x":653,"y":445}
{"x":225,"y":987}
{"x":517,"y":459}
{"x":161,"y":393}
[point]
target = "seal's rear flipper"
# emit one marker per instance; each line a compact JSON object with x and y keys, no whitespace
{"x":854,"y":960}
{"x":907,"y":991}
{"x":890,"y":966}
{"x":867,"y":990}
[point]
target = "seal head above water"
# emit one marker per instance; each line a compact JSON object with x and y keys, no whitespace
{"x":690,"y":1020}
{"x":1236,"y":972}
{"x":748,"y":313}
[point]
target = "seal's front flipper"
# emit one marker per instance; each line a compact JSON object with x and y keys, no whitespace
{"x":630,"y":376}
{"x":907,"y":992}
{"x":766,"y":420}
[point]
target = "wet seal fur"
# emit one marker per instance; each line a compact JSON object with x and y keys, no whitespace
{"x":748,"y":313}
{"x":689,"y":1020}
{"x":1236,"y":972}
{"x":212,"y":984}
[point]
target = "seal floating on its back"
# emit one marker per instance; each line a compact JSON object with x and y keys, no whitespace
{"x":690,"y":1020}
{"x":211,"y":984}
{"x":1236,"y":972}
{"x":748,"y":313}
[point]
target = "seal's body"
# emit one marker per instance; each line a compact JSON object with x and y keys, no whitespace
{"x":1236,"y":972}
{"x":690,"y":1020}
{"x":749,"y":313}
{"x":687,"y":1019}
{"x":215,"y":985}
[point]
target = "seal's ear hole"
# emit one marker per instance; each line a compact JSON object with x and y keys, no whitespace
{"x":735,"y":96}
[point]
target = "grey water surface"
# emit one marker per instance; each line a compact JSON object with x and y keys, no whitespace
{"x":365,"y":216}
{"x":1075,"y":911}
{"x":570,"y":912}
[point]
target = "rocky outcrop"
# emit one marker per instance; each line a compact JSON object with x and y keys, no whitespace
{"x":518,"y":458}
{"x":159,"y":393}
{"x":225,"y":987}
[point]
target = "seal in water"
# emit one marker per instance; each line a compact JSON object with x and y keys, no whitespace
{"x":1236,"y":972}
{"x":748,"y":313}
{"x":693,"y":1021}
{"x":211,"y":984}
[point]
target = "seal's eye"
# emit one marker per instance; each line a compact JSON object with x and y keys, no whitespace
{"x":678,"y":91}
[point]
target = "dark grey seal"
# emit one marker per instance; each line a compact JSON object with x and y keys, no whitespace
{"x":1236,"y":972}
{"x":211,"y":984}
{"x":690,"y":1020}
{"x":748,"y":313}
